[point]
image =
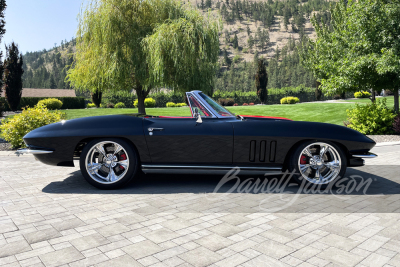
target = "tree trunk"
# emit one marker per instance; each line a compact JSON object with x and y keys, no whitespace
{"x":318,"y":92}
{"x":141,"y":107}
{"x":373,"y":98}
{"x":142,"y":94}
{"x":396,"y":99}
{"x":96,"y":97}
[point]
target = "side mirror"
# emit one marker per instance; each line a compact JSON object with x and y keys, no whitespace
{"x":196,"y":114}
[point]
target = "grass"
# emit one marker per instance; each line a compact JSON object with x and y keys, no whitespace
{"x":319,"y":112}
{"x":389,"y":101}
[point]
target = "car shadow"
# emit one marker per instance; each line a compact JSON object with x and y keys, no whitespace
{"x":360,"y":191}
{"x":357,"y":181}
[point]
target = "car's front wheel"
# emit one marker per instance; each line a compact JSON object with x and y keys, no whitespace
{"x":108,"y":163}
{"x":318,"y":163}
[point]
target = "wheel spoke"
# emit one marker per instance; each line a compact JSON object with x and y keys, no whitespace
{"x":323,"y":151}
{"x":123,"y":163}
{"x":111,"y":175}
{"x":118,"y":149}
{"x":333,"y":165}
{"x":308,"y":152}
{"x":94,"y":167}
{"x":304,"y":167}
{"x":100,"y":149}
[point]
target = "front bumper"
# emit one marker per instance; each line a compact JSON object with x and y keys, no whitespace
{"x":357,"y":160}
{"x":33,"y":151}
{"x":368,"y":155}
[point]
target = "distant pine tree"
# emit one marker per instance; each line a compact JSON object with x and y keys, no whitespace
{"x":235,"y":42}
{"x":261,"y":82}
{"x":13,"y":76}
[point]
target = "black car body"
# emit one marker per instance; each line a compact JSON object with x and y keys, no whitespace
{"x":213,"y":140}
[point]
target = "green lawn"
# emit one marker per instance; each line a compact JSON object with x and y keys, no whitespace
{"x":389,"y":100}
{"x":320,"y":112}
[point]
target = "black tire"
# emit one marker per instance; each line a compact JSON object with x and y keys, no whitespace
{"x":295,"y":159}
{"x":128,"y":175}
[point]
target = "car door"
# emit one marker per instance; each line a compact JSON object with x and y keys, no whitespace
{"x":183,"y":140}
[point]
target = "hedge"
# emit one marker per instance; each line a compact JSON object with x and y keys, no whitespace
{"x":68,"y":102}
{"x":305,"y":94}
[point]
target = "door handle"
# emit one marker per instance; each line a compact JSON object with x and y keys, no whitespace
{"x":155,"y":129}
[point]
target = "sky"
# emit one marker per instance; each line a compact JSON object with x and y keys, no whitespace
{"x":39,"y":24}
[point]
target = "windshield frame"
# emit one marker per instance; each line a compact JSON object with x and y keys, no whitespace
{"x":199,"y":98}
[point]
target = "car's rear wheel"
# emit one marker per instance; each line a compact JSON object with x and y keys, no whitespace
{"x":318,"y":163}
{"x":108,"y":163}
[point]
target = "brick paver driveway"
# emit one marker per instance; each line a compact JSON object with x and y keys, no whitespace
{"x":49,"y":216}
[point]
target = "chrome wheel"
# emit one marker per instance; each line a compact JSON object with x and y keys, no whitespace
{"x":319,"y":163}
{"x":107,"y":162}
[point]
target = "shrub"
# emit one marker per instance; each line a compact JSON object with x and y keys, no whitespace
{"x":226,"y":101}
{"x":102,"y":105}
{"x":120,"y":97}
{"x":148,"y":103}
{"x":110,"y":105}
{"x":181,"y":105}
{"x":374,"y":118}
{"x":235,"y":105}
{"x":251,"y":104}
{"x":171,"y":105}
{"x":119,"y":105}
{"x":245,"y":104}
{"x":68,"y":102}
{"x":396,"y":124}
{"x":90,"y":105}
{"x":14,"y":129}
{"x":362,"y":94}
{"x":290,"y":100}
{"x":51,"y":103}
{"x":293,"y":100}
{"x":245,"y":50}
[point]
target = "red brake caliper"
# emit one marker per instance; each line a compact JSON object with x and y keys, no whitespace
{"x":303,"y":159}
{"x":122,"y":157}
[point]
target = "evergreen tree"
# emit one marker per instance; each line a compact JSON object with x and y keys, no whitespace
{"x":13,"y":71}
{"x":227,"y":60}
{"x":235,"y":42}
{"x":53,"y":84}
{"x":261,"y":82}
{"x":250,"y":42}
{"x":248,"y":30}
{"x":264,"y":39}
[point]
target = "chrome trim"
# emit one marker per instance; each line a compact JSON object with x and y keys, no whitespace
{"x":209,"y":167}
{"x":368,"y":156}
{"x":202,"y":102}
{"x":32,"y":151}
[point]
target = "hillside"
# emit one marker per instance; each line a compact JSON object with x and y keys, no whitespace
{"x":269,"y":29}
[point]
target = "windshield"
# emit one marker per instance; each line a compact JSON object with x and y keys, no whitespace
{"x":217,"y":107}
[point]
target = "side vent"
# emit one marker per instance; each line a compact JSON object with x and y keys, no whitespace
{"x":272,"y":151}
{"x":263,"y":147}
{"x":252,"y":155}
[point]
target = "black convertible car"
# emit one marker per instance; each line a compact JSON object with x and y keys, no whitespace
{"x":114,"y":149}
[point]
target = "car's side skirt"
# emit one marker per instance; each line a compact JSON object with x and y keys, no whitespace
{"x":212,"y":170}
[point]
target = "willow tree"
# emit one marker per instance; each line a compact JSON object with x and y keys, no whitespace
{"x":144,"y":44}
